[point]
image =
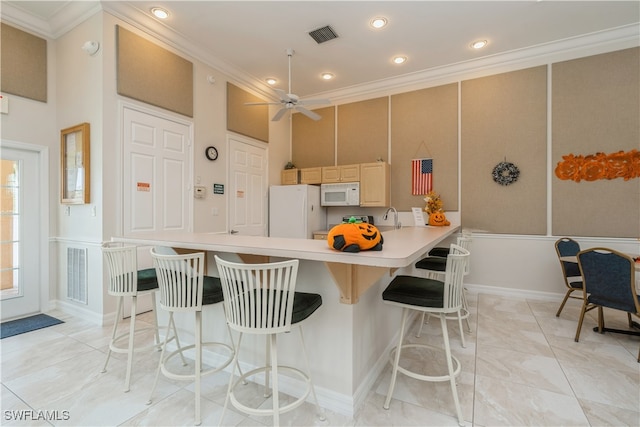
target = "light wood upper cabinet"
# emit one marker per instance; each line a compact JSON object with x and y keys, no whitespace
{"x":289,"y":177}
{"x":311,"y":176}
{"x":344,"y":173}
{"x":374,"y":184}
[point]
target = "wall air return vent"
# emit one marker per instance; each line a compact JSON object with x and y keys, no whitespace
{"x":323,"y":34}
{"x":77,"y":274}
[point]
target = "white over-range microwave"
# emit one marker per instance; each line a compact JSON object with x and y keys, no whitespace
{"x":342,"y":194}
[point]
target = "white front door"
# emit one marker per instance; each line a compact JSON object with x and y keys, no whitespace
{"x":20,"y":232}
{"x":157,"y":167}
{"x":248,"y":186}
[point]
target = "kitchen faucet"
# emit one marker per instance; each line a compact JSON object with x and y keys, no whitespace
{"x":396,"y":224}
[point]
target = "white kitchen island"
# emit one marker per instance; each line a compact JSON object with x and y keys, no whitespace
{"x":349,"y":337}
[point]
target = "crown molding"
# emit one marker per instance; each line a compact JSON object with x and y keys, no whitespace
{"x":561,"y":50}
{"x":69,"y":16}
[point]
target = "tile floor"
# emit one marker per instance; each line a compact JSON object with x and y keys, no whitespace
{"x":521,"y":367}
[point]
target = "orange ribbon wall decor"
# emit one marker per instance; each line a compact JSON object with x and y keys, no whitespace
{"x":600,"y":166}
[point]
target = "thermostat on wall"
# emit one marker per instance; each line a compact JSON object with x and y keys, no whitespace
{"x":199,"y":192}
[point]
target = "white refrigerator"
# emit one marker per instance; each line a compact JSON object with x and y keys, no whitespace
{"x":295,"y":211}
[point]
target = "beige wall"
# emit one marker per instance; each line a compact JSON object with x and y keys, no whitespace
{"x":596,"y":108}
{"x":504,"y":117}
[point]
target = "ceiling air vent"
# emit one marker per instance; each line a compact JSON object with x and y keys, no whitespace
{"x":323,"y":34}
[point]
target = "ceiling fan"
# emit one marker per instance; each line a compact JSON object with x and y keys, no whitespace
{"x":291,"y":101}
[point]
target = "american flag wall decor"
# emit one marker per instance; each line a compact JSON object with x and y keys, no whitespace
{"x":421,"y":176}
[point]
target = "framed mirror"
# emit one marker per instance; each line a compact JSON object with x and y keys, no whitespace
{"x":74,"y":167}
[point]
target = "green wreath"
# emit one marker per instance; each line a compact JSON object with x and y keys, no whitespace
{"x":505,"y":173}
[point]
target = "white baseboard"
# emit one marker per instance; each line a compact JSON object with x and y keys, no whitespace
{"x":516,"y":293}
{"x":83,"y":313}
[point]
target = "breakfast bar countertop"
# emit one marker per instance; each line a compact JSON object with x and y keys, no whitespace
{"x":353,"y":273}
{"x":400,"y":247}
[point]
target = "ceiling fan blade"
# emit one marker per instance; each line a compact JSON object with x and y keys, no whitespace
{"x":279,"y":115}
{"x":284,"y":97}
{"x":313,"y":101}
{"x":310,"y":114}
{"x":262,"y":103}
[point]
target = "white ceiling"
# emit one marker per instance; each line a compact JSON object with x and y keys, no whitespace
{"x":250,"y":37}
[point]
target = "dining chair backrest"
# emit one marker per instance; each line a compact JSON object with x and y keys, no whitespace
{"x":566,"y":247}
{"x":609,"y":279}
{"x":258,"y":298}
{"x":180,"y":279}
{"x":454,"y":275}
{"x":122,"y":264}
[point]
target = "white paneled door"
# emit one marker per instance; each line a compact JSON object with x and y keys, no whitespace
{"x":247,"y":187}
{"x":156,"y":173}
{"x":157,"y":167}
{"x":20,"y":233}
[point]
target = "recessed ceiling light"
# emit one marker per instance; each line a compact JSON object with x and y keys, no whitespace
{"x":479,"y":44}
{"x":378,"y":22}
{"x":160,"y":13}
{"x":399,"y":59}
{"x":327,"y":76}
{"x":271,"y":81}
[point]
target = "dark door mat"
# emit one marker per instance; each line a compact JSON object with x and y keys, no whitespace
{"x":27,"y":324}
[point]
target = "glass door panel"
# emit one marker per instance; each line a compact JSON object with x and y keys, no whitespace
{"x":9,"y":229}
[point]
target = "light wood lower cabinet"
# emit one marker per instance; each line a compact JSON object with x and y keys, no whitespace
{"x":374,"y":184}
{"x":320,"y":235}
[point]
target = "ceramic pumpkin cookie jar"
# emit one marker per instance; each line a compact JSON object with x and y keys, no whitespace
{"x":438,"y":219}
{"x":355,"y":236}
{"x":434,"y":209}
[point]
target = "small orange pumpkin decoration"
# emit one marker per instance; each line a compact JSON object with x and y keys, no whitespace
{"x":438,"y":219}
{"x":354,"y":236}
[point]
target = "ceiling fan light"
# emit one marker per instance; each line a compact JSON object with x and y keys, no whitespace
{"x":479,"y":44}
{"x":160,"y":13}
{"x":327,"y":76}
{"x":271,"y":81}
{"x":378,"y":23}
{"x":399,"y":59}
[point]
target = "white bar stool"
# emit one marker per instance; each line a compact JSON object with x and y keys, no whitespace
{"x":125,"y":280}
{"x":261,"y":299}
{"x":435,"y":266}
{"x":185,"y":288}
{"x":439,"y":299}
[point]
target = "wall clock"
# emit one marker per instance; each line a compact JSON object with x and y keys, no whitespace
{"x":211,"y":152}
